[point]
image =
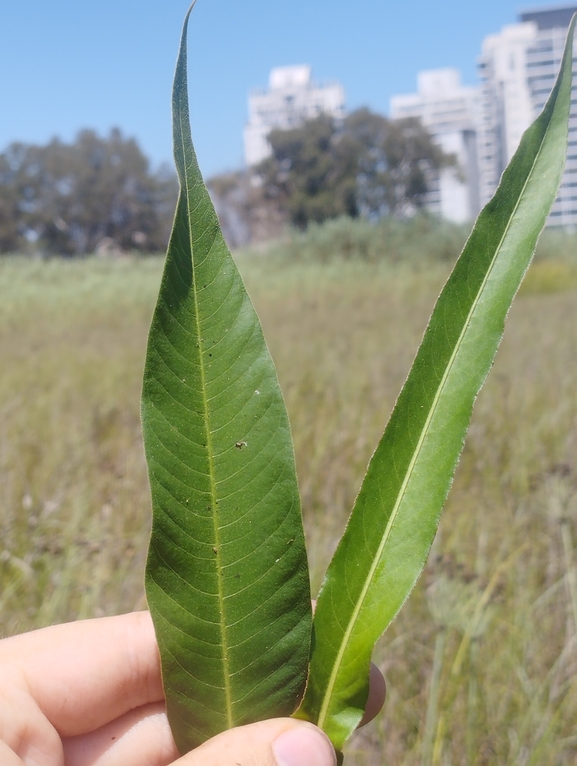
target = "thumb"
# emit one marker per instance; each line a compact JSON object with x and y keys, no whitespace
{"x":277,"y":742}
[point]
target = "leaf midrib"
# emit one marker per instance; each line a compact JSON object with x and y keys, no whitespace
{"x":356,"y":611}
{"x":212,"y":478}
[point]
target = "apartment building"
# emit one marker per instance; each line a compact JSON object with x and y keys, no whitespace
{"x":291,"y":98}
{"x":481,"y":125}
{"x":450,"y":111}
{"x":517,"y":69}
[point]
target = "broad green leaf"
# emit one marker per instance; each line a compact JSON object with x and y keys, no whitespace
{"x":396,"y":513}
{"x":227,"y":576}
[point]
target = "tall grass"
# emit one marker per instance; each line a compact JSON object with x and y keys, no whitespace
{"x":418,"y":240}
{"x":482,"y":662}
{"x":73,"y":488}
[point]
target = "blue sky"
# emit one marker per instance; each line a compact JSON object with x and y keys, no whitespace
{"x":68,"y":64}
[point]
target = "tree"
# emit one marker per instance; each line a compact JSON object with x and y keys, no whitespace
{"x":367,"y":165}
{"x":396,"y":162}
{"x":311,"y":172}
{"x":246,"y":214}
{"x":69,"y":198}
{"x":13,"y":201}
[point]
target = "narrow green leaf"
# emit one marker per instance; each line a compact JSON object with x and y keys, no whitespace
{"x":396,"y":513}
{"x":227,"y":576}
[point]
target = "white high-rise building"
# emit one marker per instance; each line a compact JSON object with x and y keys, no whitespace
{"x":292,"y":97}
{"x":449,"y":110}
{"x":518,"y":68}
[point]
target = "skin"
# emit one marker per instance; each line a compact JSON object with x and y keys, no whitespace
{"x":89,"y":693}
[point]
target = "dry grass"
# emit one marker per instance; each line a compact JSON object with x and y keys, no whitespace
{"x":482,"y":662}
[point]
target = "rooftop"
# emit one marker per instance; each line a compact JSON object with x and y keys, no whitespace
{"x":549,"y":17}
{"x":290,"y":77}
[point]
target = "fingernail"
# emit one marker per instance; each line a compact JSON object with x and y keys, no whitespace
{"x":304,"y":746}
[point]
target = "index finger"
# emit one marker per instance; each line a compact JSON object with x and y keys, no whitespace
{"x":87,"y":673}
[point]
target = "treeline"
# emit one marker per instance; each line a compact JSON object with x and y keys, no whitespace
{"x":100,"y":195}
{"x":89,"y":195}
{"x":365,"y":166}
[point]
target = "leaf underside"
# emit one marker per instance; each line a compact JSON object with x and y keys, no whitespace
{"x":395,"y":517}
{"x":227,"y":577}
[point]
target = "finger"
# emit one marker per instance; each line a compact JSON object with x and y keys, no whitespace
{"x":25,"y":733}
{"x":139,"y":736}
{"x":87,"y":673}
{"x":8,"y":757}
{"x":144,"y":735}
{"x":277,"y":742}
{"x":377,"y":694}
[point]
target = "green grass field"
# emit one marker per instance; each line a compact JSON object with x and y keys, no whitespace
{"x":481,"y":664}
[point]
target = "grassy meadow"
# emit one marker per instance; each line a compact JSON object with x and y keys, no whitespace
{"x":481,"y":664}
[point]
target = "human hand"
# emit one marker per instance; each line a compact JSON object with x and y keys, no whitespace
{"x":89,"y":693}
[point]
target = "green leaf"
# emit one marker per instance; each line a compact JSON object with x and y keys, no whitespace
{"x":227,"y":576}
{"x":389,"y":534}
